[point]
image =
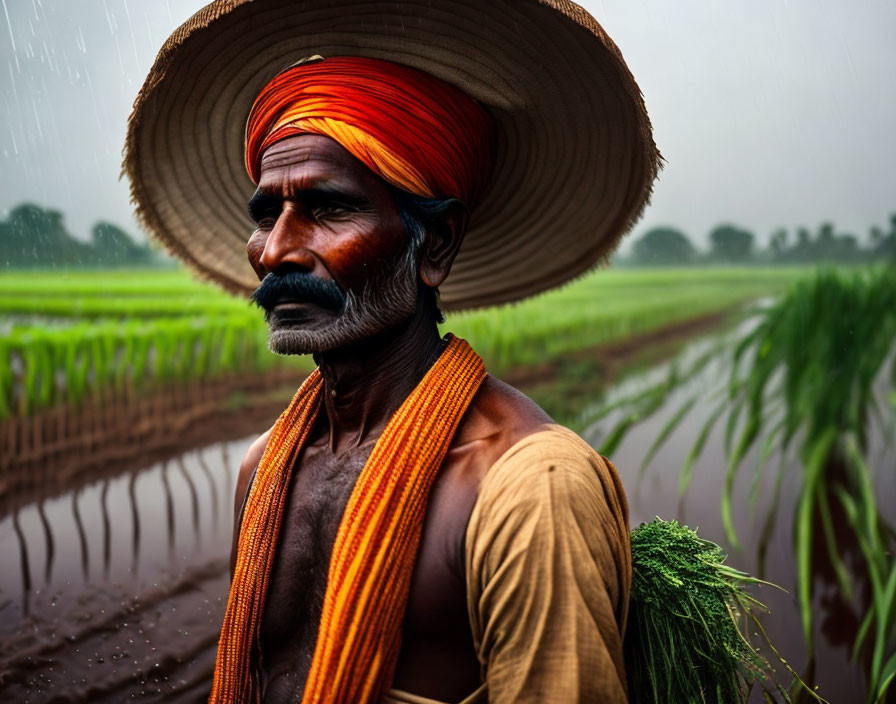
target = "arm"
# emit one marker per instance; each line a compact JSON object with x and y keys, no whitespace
{"x":243,"y":482}
{"x":548,"y":574}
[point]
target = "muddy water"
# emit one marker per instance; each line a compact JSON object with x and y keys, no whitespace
{"x":655,"y":493}
{"x":115,"y":592}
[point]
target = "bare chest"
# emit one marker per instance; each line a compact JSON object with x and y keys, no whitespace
{"x":319,"y":492}
{"x":436,"y":638}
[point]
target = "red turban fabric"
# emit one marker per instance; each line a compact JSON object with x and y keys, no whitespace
{"x":413,"y":130}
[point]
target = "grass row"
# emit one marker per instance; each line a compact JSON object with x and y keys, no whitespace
{"x":97,"y":307}
{"x":88,"y":284}
{"x":139,"y":339}
{"x":46,"y":367}
{"x":178,"y":283}
{"x":608,"y":306}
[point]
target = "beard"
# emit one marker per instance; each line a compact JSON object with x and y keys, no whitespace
{"x":387,"y":299}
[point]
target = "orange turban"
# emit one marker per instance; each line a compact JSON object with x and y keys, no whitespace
{"x":413,"y":130}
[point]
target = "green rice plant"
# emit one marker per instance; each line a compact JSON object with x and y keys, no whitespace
{"x":101,"y":306}
{"x":93,"y":359}
{"x":181,"y":351}
{"x":105,"y":283}
{"x":122,"y":356}
{"x":228,"y":352}
{"x":878,"y":554}
{"x":149,"y":329}
{"x":809,"y":378}
{"x":76,"y":362}
{"x":595,"y":311}
{"x":135,"y":367}
{"x":7,"y":379}
{"x":38,"y":377}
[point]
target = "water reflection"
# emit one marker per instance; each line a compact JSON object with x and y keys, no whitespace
{"x":23,"y":562}
{"x":763,"y":511}
{"x":120,"y":584}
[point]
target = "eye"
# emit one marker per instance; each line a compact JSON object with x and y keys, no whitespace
{"x":332,"y":211}
{"x":266,"y":219}
{"x":264,"y":209}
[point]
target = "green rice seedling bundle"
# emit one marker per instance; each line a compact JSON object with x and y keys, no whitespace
{"x":689,"y":620}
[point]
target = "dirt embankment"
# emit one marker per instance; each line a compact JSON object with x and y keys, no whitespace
{"x":611,"y":358}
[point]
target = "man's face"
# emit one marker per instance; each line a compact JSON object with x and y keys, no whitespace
{"x":327,"y":247}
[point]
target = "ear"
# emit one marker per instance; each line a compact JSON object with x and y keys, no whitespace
{"x":443,"y":240}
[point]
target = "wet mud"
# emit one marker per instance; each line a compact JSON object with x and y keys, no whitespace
{"x":115,"y":591}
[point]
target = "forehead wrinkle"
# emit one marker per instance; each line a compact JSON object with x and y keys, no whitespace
{"x":274,"y":158}
{"x":294,"y":168}
{"x":304,"y":147}
{"x":289,"y":182}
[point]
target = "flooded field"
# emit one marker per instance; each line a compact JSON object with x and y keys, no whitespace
{"x":114,"y":590}
{"x":654,"y":492}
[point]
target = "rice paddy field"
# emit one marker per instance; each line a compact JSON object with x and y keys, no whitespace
{"x":772,"y":435}
{"x":67,"y":337}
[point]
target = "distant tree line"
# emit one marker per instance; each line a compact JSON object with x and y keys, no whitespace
{"x":32,"y":237}
{"x":730,"y":244}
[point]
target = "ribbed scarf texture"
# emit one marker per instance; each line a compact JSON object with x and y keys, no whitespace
{"x":376,"y":544}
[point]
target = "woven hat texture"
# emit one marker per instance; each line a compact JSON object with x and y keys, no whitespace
{"x":575,"y":158}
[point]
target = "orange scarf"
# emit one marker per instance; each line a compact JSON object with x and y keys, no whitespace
{"x":376,"y":545}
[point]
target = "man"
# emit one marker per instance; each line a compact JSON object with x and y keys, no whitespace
{"x":411,"y":529}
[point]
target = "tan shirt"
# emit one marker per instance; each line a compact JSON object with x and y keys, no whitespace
{"x":548,"y":571}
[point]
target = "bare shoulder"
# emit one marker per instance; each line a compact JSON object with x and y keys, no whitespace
{"x":247,"y":468}
{"x":498,"y":417}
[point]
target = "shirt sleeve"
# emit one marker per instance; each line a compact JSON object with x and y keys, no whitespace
{"x":548,"y":573}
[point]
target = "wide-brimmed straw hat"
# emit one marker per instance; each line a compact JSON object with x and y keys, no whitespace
{"x":575,"y":158}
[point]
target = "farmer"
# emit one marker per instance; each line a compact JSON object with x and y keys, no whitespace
{"x":411,"y":529}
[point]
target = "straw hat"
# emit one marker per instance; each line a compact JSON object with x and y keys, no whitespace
{"x":575,"y":157}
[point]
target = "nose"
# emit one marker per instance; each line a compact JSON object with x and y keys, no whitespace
{"x":287,"y":243}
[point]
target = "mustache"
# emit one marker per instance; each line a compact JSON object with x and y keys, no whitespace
{"x":298,"y":286}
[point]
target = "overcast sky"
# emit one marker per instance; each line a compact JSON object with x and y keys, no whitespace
{"x":769,"y":112}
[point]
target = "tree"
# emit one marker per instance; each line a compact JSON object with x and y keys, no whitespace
{"x":847,"y":248}
{"x":664,"y":245}
{"x":32,"y":236}
{"x":114,"y":246}
{"x":731,"y":243}
{"x":778,"y":243}
{"x":884,"y":245}
{"x":826,"y":242}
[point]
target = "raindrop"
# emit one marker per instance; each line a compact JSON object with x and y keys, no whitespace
{"x":40,"y":131}
{"x":12,"y":81}
{"x":127,"y":12}
{"x":9,"y":26}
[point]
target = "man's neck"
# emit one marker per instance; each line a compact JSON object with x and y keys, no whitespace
{"x":366,"y":382}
